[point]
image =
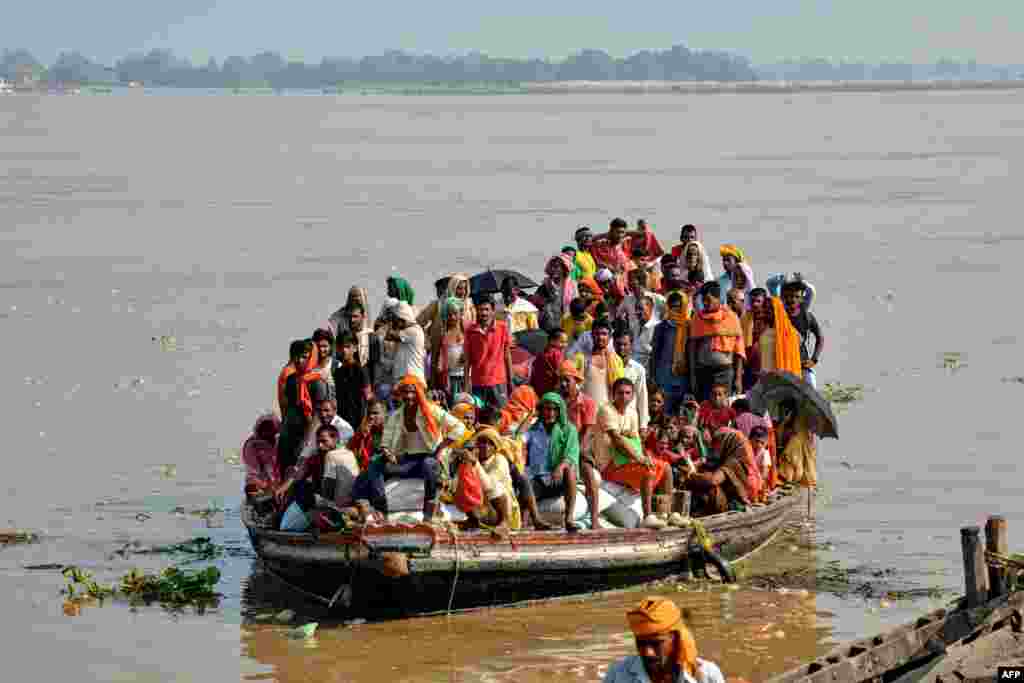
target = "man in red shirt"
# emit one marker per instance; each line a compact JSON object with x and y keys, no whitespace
{"x":489,"y":355}
{"x":609,"y":248}
{"x":582,"y":412}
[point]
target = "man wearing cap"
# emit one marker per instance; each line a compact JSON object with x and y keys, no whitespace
{"x":666,"y":650}
{"x":411,"y":351}
{"x":519,"y":314}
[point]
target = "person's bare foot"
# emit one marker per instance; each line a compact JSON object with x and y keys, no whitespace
{"x":540,"y":525}
{"x":501,"y":532}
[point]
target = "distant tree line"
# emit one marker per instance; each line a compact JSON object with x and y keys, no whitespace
{"x":269,"y":69}
{"x":163,"y":68}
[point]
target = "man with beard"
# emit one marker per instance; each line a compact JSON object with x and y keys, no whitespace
{"x":666,"y":650}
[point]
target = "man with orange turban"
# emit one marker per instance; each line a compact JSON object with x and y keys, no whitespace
{"x":667,"y":652}
{"x":414,"y":445}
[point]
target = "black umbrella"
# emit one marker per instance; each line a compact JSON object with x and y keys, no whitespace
{"x":489,"y":281}
{"x":775,"y":387}
{"x":533,"y":341}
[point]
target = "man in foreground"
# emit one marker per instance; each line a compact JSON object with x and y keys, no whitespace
{"x":666,"y":650}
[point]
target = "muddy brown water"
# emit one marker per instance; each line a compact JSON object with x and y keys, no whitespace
{"x":234,"y":224}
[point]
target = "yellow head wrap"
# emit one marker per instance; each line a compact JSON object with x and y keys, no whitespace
{"x":732,"y":250}
{"x":658,"y":616}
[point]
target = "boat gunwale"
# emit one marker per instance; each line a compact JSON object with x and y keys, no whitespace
{"x":781,"y":503}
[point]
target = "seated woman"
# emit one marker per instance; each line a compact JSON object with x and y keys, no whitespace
{"x":721,"y":484}
{"x":498,"y":507}
{"x":619,"y":453}
{"x":798,"y":450}
{"x":259,"y":455}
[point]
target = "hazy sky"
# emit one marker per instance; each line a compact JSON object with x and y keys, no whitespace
{"x":870,"y":30}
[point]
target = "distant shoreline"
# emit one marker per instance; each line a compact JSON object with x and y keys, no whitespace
{"x":780,"y":87}
{"x":495,"y":88}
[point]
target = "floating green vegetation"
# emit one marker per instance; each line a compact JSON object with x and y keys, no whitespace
{"x":953,"y":360}
{"x":841,"y":396}
{"x":173,"y":587}
{"x":832,"y":577}
{"x":198,"y":549}
{"x":12,"y":536}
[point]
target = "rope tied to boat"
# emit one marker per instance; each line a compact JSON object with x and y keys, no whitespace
{"x":995,"y":559}
{"x":450,"y":528}
{"x":699,"y":530}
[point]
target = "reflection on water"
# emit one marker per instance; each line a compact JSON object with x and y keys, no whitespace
{"x":750,"y":633}
{"x":754,"y":634}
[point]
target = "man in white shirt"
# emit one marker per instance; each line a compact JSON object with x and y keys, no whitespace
{"x":410,"y":356}
{"x":327,"y":414}
{"x":519,"y":314}
{"x":635,"y":372}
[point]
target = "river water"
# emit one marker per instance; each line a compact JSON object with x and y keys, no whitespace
{"x":158,"y":253}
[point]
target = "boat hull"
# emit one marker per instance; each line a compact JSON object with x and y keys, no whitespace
{"x":465,"y":571}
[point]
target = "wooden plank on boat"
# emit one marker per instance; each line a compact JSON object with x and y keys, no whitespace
{"x":912,"y":644}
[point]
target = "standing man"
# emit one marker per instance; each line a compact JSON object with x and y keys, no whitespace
{"x":489,"y":355}
{"x":631,"y":308}
{"x":582,"y":412}
{"x":669,"y":353}
{"x":520,"y":314}
{"x":793,"y":297}
{"x":609,"y":249}
{"x":636,"y":373}
{"x":411,"y":352}
{"x":600,"y":365}
{"x":666,"y":650}
{"x":716,"y":351}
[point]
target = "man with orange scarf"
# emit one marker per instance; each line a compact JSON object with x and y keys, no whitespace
{"x":715,"y":352}
{"x":295,"y":401}
{"x":413,"y":446}
{"x":666,"y":650}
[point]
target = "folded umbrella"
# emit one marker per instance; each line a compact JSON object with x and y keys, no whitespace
{"x":774,"y":387}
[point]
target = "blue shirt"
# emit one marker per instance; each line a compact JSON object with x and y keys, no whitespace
{"x":631,"y":670}
{"x":538,"y":441}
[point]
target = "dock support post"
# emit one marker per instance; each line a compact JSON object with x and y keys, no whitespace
{"x":975,"y":576}
{"x":996,"y":541}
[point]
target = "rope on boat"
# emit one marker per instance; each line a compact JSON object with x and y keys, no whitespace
{"x":1010,"y":562}
{"x":455,"y":580}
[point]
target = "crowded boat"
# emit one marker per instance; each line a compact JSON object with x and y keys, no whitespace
{"x":587,"y":401}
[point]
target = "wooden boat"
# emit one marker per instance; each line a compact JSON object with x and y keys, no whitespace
{"x":965,"y":643}
{"x":442,"y":569}
{"x":959,"y":644}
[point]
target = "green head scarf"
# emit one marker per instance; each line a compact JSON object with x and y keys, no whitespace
{"x":450,"y":304}
{"x":564,"y":441}
{"x":404,"y":289}
{"x":577,"y":272}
